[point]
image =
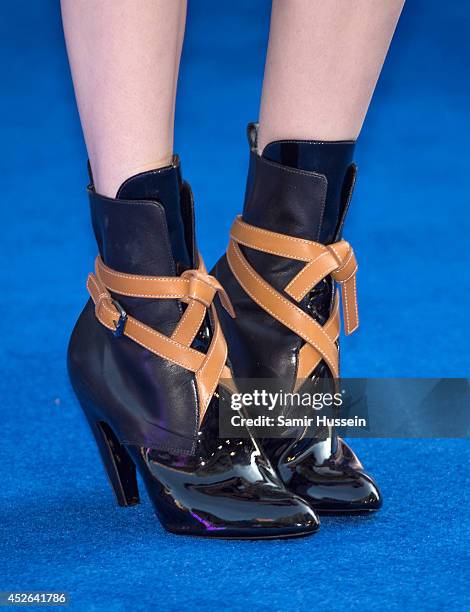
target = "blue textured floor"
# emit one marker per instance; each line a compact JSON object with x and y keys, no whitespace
{"x":409,"y":225}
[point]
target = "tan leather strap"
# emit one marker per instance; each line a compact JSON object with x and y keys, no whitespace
{"x":194,"y":287}
{"x":336,"y":259}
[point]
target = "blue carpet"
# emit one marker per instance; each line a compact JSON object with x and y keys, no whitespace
{"x":409,"y":225}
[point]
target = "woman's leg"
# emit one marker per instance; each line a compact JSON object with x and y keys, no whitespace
{"x":323,"y":62}
{"x":146,"y":395}
{"x":124,"y":56}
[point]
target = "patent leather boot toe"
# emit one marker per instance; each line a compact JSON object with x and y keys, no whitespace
{"x":284,"y":260}
{"x":333,"y":481}
{"x":147,"y":359}
{"x":226,"y":489}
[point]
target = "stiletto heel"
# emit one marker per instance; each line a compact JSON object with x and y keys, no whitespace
{"x":117,"y":463}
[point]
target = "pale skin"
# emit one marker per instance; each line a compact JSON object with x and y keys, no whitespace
{"x":323,"y":62}
{"x":324,"y":59}
{"x":124,"y":56}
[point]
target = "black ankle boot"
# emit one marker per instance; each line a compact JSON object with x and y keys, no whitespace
{"x":145,"y":360}
{"x":280,"y":270}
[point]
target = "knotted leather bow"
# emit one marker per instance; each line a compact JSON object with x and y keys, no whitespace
{"x":336,"y":259}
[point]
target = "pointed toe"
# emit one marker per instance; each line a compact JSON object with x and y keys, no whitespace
{"x":348,"y":493}
{"x":294,"y":518}
{"x":284,"y":517}
{"x":330,"y":481}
